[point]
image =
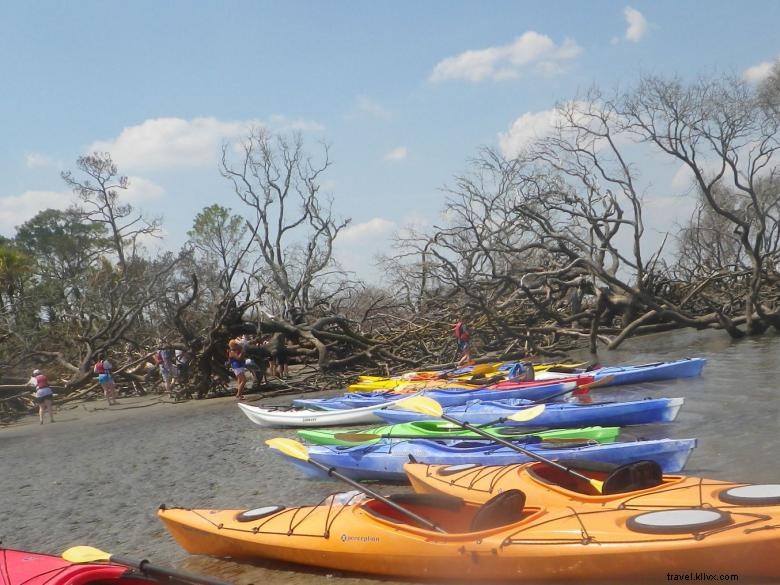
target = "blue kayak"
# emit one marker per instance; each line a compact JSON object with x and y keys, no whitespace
{"x":384,"y":460}
{"x":444,"y":396}
{"x":555,"y":415}
{"x":684,"y":368}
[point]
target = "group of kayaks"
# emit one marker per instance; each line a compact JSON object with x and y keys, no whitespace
{"x":506,"y":487}
{"x":574,"y":504}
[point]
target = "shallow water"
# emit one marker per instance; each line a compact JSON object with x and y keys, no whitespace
{"x":99,"y":482}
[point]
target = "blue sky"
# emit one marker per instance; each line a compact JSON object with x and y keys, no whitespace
{"x":405,"y":92}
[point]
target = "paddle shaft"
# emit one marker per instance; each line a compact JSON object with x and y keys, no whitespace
{"x":365,"y":437}
{"x":419,"y":519}
{"x":517,"y":448}
{"x":151,"y":570}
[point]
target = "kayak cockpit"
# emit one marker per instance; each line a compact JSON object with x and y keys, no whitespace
{"x":618,"y":479}
{"x":452,"y":514}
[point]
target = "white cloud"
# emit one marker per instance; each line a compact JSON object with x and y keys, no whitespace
{"x":170,"y":142}
{"x":17,"y":209}
{"x":366,"y":107}
{"x":531,"y":50}
{"x":683,"y":179}
{"x":527,"y":129}
{"x":637,"y":24}
{"x":760,"y":72}
{"x":36,"y":160}
{"x":140,"y":190}
{"x":367,"y":231}
{"x":396,"y":154}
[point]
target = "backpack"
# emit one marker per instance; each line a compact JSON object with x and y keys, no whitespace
{"x":99,"y":367}
{"x":158,"y":358}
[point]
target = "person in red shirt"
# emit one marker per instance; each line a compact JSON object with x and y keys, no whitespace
{"x":43,"y":394}
{"x":463,"y":337}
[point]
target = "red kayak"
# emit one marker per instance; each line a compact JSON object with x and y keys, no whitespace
{"x":85,"y":565}
{"x":26,"y":568}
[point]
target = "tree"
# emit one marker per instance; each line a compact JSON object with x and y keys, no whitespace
{"x":219,"y":238}
{"x":719,"y":131}
{"x":99,"y":193}
{"x":293,"y":225}
{"x":769,"y":90}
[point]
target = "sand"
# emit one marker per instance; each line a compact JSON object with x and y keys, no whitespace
{"x":97,"y":475}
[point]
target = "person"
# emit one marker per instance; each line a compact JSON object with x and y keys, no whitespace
{"x":183,"y":361}
{"x":103,"y":369}
{"x":262,"y":359}
{"x":237,"y":362}
{"x":43,"y":394}
{"x":463,"y":339}
{"x":280,"y":357}
{"x":164,"y":359}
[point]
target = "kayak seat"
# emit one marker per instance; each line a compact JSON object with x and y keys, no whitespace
{"x":500,"y":510}
{"x":638,"y":475}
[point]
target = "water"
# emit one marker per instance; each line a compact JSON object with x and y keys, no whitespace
{"x":99,"y":481}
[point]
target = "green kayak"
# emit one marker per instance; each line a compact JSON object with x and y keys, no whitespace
{"x":434,"y":429}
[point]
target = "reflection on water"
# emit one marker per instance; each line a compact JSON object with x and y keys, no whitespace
{"x":214,"y":457}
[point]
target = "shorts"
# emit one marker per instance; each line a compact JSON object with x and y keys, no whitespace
{"x":238,"y":371}
{"x":104,"y":378}
{"x":44,"y":398}
{"x":281,"y":358}
{"x":168,"y":373}
{"x":463,"y":345}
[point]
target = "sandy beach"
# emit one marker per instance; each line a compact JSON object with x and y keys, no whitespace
{"x":97,"y":475}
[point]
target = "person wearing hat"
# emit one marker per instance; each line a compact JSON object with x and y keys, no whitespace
{"x":43,"y":394}
{"x":237,"y":361}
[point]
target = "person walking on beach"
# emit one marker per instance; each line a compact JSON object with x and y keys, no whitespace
{"x":237,"y":362}
{"x":43,"y":394}
{"x":164,"y":359}
{"x":281,"y":357}
{"x":103,"y":369}
{"x":463,"y":339}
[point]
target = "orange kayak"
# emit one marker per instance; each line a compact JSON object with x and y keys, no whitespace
{"x":636,"y":486}
{"x":505,"y":538}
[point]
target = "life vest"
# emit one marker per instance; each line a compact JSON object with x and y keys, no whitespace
{"x":41,"y":381}
{"x":100,"y":368}
{"x":461,"y":333}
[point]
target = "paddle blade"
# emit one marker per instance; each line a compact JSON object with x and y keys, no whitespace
{"x":481,"y":369}
{"x":85,"y":554}
{"x":289,"y":447}
{"x":421,"y":404}
{"x":598,"y":485}
{"x":527,"y":413}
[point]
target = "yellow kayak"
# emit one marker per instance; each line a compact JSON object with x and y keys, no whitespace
{"x":413,"y":381}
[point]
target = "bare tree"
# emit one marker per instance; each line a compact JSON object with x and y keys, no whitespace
{"x":721,"y":134}
{"x":280,"y":184}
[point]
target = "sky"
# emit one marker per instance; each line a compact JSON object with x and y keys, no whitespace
{"x":405,"y":92}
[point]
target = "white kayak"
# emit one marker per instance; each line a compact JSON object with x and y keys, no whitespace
{"x":274,"y":417}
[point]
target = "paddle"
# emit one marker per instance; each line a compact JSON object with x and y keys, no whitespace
{"x":524,"y":415}
{"x":581,"y":389}
{"x":89,"y":554}
{"x":293,"y":448}
{"x":432,"y":408}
